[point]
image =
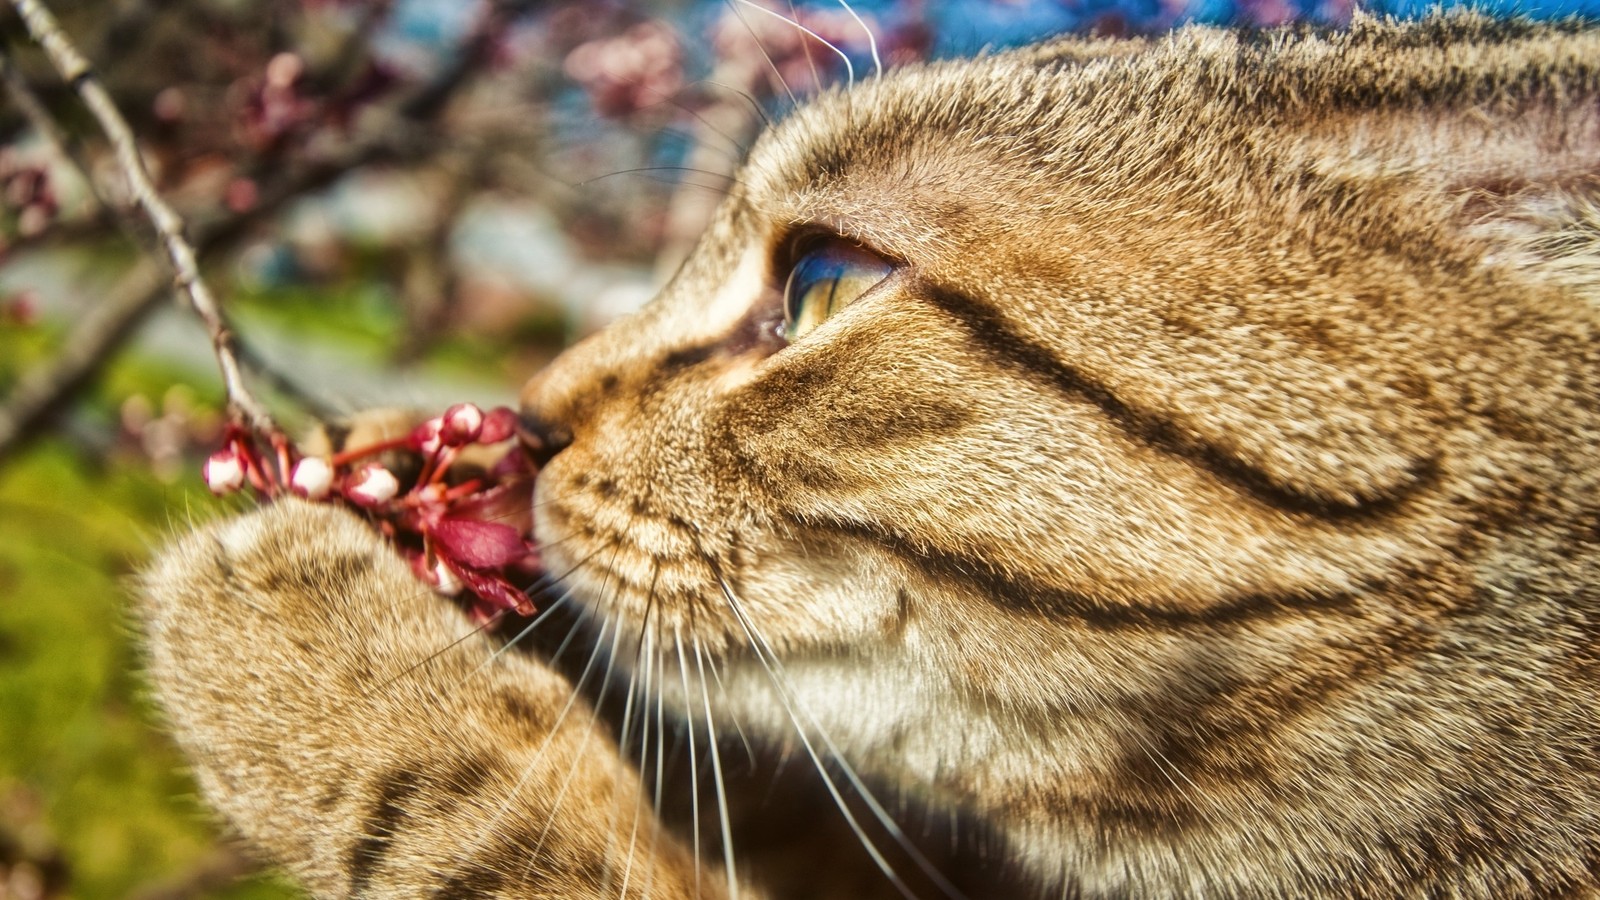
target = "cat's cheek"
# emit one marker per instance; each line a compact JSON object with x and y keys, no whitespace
{"x":822,"y":592}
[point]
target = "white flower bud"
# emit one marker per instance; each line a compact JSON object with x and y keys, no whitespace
{"x":372,"y":485}
{"x":223,"y":472}
{"x":428,"y":436}
{"x":312,"y":477}
{"x":462,"y":423}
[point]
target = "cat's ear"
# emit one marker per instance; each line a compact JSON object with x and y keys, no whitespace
{"x":1516,"y":155}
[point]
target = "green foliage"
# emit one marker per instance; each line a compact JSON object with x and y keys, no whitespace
{"x":80,"y":735}
{"x":355,"y":313}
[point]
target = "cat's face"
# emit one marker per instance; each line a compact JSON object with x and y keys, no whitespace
{"x":1066,"y":427}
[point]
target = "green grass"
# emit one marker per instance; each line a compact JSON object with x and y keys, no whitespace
{"x":78,"y":733}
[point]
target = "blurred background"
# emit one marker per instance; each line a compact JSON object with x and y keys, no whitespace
{"x":414,"y":202}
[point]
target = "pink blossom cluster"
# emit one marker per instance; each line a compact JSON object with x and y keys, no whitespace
{"x":461,"y":537}
{"x":629,"y":72}
{"x":275,"y":106}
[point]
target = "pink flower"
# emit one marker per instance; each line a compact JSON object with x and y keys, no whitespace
{"x":482,"y":545}
{"x":466,"y":537}
{"x":624,"y":74}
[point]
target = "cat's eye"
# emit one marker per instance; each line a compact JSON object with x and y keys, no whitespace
{"x":827,"y":276}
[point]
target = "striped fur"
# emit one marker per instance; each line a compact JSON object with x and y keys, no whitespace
{"x":1206,"y":506}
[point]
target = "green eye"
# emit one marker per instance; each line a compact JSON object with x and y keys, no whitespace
{"x":827,"y":278}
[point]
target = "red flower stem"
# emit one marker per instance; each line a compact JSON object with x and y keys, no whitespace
{"x":349,"y":456}
{"x":426,"y":476}
{"x":285,"y":465}
{"x":252,"y":468}
{"x":416,"y":499}
{"x":463,"y":489}
{"x":437,"y":465}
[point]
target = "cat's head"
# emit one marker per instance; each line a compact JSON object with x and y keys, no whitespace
{"x":1090,"y":419}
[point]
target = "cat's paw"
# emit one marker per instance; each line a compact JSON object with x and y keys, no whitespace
{"x":359,"y":731}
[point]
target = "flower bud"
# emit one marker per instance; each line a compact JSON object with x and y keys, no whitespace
{"x":312,"y":477}
{"x":499,"y":424}
{"x":372,"y":484}
{"x":428,"y":437}
{"x":462,"y":423}
{"x":224,"y":471}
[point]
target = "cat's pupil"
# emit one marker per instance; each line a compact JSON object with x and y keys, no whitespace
{"x":825,"y":279}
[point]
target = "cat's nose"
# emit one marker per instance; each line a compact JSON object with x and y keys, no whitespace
{"x":541,"y":439}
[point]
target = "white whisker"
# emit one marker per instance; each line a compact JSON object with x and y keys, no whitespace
{"x":646,"y":654}
{"x":738,"y":729}
{"x":544,"y":744}
{"x":638,"y":688}
{"x":588,"y":734}
{"x":754,"y":103}
{"x":805,"y":47}
{"x":791,"y":703}
{"x":716,"y":771}
{"x":694,"y":762}
{"x":661,"y":727}
{"x":850,"y":70}
{"x":537,"y":621}
{"x":872,"y":39}
{"x":762,"y":47}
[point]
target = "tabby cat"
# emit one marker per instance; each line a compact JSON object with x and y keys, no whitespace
{"x":1174,"y":462}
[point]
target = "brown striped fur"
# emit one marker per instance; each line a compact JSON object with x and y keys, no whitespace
{"x":1206,"y":506}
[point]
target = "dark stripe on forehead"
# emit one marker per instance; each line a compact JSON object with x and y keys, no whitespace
{"x":991,"y":332}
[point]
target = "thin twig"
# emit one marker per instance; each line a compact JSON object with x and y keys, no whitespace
{"x":33,"y":109}
{"x":70,"y":372}
{"x":20,"y":408}
{"x":75,"y":70}
{"x":96,"y":337}
{"x":41,"y":391}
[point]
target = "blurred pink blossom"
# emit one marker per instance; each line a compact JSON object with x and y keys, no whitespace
{"x":803,"y":63}
{"x":638,"y":69}
{"x":273,"y":107}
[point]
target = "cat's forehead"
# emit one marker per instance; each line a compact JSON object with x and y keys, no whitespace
{"x":926,"y":154}
{"x":1100,"y":134}
{"x":897,"y":121}
{"x":906,"y":157}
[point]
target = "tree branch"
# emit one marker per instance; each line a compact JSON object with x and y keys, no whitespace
{"x":34,"y":111}
{"x":42,"y":391}
{"x":75,"y":70}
